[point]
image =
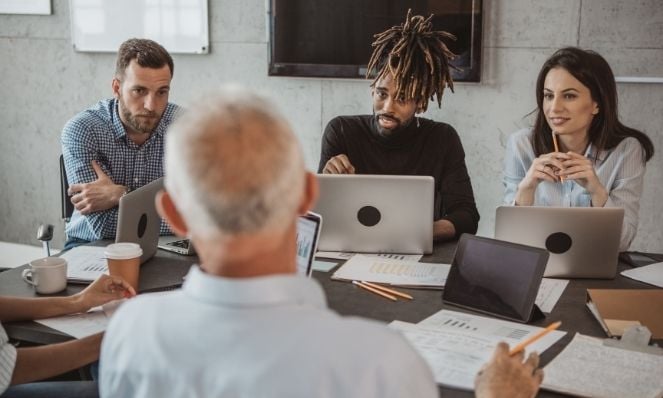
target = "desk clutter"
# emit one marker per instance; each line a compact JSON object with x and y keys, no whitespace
{"x":455,"y":345}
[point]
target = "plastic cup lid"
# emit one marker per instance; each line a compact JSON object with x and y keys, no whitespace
{"x":123,"y":251}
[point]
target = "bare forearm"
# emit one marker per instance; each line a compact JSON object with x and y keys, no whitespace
{"x":23,"y":308}
{"x":599,"y":197}
{"x":524,"y":196}
{"x":38,"y":363}
{"x":443,"y":230}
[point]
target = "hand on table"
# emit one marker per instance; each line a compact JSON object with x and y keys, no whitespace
{"x":106,"y":288}
{"x":339,"y":164}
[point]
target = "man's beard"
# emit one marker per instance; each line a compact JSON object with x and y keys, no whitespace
{"x":139,"y":122}
{"x":401,"y":125}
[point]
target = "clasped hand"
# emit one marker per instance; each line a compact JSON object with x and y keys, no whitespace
{"x":562,"y":166}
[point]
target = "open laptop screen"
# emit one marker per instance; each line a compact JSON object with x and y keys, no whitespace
{"x":308,"y":231}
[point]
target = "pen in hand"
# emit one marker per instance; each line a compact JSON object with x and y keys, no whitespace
{"x":554,"y":137}
{"x":535,"y":337}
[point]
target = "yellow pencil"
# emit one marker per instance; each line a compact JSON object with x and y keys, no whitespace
{"x":554,"y":137}
{"x":534,"y":338}
{"x":388,"y":290}
{"x":376,"y":291}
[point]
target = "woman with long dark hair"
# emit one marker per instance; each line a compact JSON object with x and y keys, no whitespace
{"x":578,"y":153}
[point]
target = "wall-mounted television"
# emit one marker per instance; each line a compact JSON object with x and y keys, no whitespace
{"x":332,"y":38}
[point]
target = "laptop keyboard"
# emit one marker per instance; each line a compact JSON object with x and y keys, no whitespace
{"x":184,"y":243}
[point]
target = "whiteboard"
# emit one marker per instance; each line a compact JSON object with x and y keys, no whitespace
{"x":42,"y":7}
{"x":181,"y":26}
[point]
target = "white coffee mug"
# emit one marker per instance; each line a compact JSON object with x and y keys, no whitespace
{"x":47,"y":275}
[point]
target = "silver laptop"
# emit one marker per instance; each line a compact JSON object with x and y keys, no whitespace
{"x":376,"y":213}
{"x":177,"y":244}
{"x":138,"y":220}
{"x":583,"y":241}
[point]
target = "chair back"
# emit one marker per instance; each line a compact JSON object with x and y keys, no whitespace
{"x":66,"y":206}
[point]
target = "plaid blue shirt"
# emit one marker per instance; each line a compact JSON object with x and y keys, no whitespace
{"x":98,"y":134}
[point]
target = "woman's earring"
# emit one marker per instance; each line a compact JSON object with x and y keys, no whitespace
{"x":416,"y":117}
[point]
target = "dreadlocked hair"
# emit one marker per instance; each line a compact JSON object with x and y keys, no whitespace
{"x":416,"y":57}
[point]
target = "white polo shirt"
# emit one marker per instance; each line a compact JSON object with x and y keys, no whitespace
{"x":255,"y":337}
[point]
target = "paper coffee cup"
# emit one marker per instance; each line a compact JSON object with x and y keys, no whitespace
{"x":48,"y":275}
{"x":124,"y":261}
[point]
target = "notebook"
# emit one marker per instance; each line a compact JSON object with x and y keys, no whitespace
{"x":583,"y":241}
{"x":376,"y":213}
{"x":138,"y":220}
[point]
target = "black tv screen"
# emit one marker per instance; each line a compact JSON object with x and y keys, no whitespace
{"x":332,"y":38}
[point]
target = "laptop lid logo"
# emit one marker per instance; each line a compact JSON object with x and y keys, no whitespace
{"x":558,"y":243}
{"x":369,"y":216}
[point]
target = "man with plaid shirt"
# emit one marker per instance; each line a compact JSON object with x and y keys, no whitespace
{"x":116,"y":146}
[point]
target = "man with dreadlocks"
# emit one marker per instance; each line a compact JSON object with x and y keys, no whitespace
{"x":411,"y":65}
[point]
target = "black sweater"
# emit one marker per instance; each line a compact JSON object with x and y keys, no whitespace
{"x":430,"y":149}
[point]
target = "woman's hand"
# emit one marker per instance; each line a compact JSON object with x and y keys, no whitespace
{"x":581,"y":170}
{"x":106,"y":288}
{"x":544,"y":168}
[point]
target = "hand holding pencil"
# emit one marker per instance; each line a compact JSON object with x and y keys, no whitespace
{"x":507,"y":375}
{"x":554,"y":138}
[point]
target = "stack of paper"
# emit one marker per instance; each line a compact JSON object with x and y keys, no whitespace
{"x":456,"y":345}
{"x":84,"y":324}
{"x":85,"y":263}
{"x":393,"y":272}
{"x":588,"y":368}
{"x":349,"y":255}
{"x":652,"y":274}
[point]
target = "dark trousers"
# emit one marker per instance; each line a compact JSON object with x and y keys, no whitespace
{"x":73,"y":242}
{"x":54,"y":389}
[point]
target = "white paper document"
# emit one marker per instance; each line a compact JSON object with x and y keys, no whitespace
{"x":509,"y":332}
{"x":85,"y":263}
{"x":454,"y":356}
{"x":549,"y":293}
{"x":323,"y":266}
{"x":83,"y":324}
{"x":393,"y":272}
{"x":348,"y":255}
{"x":456,"y":345}
{"x":588,"y":368}
{"x":652,"y":274}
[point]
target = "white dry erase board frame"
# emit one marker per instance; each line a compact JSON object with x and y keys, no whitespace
{"x":35,"y":7}
{"x":181,"y":26}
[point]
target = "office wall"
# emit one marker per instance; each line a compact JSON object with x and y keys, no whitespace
{"x":43,"y":82}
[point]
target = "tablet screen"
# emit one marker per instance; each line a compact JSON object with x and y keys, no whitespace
{"x":308,"y":229}
{"x":496,"y":277}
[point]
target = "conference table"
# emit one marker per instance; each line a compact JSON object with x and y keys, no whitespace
{"x":165,"y":272}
